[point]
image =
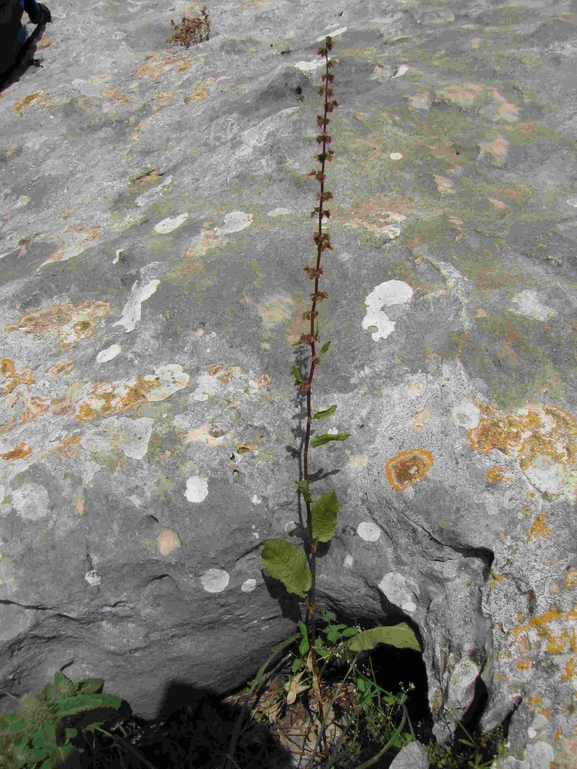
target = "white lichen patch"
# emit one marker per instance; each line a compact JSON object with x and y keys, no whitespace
{"x":215,"y":580}
{"x":256,"y":500}
{"x":207,"y":387}
{"x":529,"y":305}
{"x":109,"y":353}
{"x":169,"y":379}
{"x":168,"y":225}
{"x":396,"y":155}
{"x":248,"y":585}
{"x":385,"y":295}
{"x":466,"y":414}
{"x":105,"y":399}
{"x":310,"y":66}
{"x":400,"y":590}
{"x":368,"y":531}
{"x":348,"y":562}
{"x":235,"y":221}
{"x":156,"y":192}
{"x":196,"y":488}
{"x":131,"y":436}
{"x":31,"y":501}
{"x":92,"y":578}
{"x":132,"y":310}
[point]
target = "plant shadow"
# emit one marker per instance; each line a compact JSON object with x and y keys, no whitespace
{"x":193,"y":728}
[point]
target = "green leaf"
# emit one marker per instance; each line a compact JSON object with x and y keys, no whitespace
{"x":303,"y":629}
{"x":325,"y":413}
{"x":329,"y":616}
{"x":325,"y":348}
{"x":322,"y":439}
{"x":361,"y":685}
{"x":304,"y":488}
{"x":68,"y":706}
{"x":70,"y":734}
{"x":324,"y":516}
{"x":350,"y":631}
{"x":297,"y":374}
{"x":399,"y":635}
{"x":304,"y":646}
{"x":334,"y":636}
{"x":91,"y":685}
{"x":297,"y":665}
{"x":287,"y":563}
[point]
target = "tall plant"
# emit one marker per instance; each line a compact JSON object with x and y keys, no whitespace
{"x":281,"y":559}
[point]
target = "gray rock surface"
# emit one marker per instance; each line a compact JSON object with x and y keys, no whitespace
{"x":412,"y":756}
{"x":154,"y":227}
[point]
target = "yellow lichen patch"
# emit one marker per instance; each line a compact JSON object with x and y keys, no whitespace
{"x":553,"y":630}
{"x":158,"y":63}
{"x":495,"y":474}
{"x":200,"y":91}
{"x":68,"y":448}
{"x":71,"y":322}
{"x":65,"y":367}
{"x":18,"y":452}
{"x":539,"y":529}
{"x":244,"y":448}
{"x":570,"y":671}
{"x":408,"y":467}
{"x":162,"y":99}
{"x":420,"y":418}
{"x":12,"y":377}
{"x":570,"y":579}
{"x":543,"y":440}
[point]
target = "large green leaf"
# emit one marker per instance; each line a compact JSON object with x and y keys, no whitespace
{"x":287,"y":563}
{"x":399,"y":635}
{"x":322,"y":439}
{"x":324,"y":513}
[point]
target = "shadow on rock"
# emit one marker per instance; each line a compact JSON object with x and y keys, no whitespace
{"x":24,"y":60}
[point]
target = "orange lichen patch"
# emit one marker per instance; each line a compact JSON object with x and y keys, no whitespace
{"x":89,"y":234}
{"x":68,"y":448}
{"x":105,"y":399}
{"x":516,"y":192}
{"x":495,"y":474}
{"x":462,"y":94}
{"x":167,"y":541}
{"x":496,"y":147}
{"x":570,"y":579}
{"x":542,"y":438}
{"x":262,"y":381}
{"x":456,"y":226}
{"x":408,"y":467}
{"x":539,"y":529}
{"x":162,"y":99}
{"x":506,"y":110}
{"x":420,"y":418}
{"x":65,"y":367}
{"x":12,"y":377}
{"x":18,"y":452}
{"x":203,"y":435}
{"x":444,"y":186}
{"x":79,"y":505}
{"x":498,"y":204}
{"x":29,"y":100}
{"x":71,"y":322}
{"x":116,"y":98}
{"x":524,"y":664}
